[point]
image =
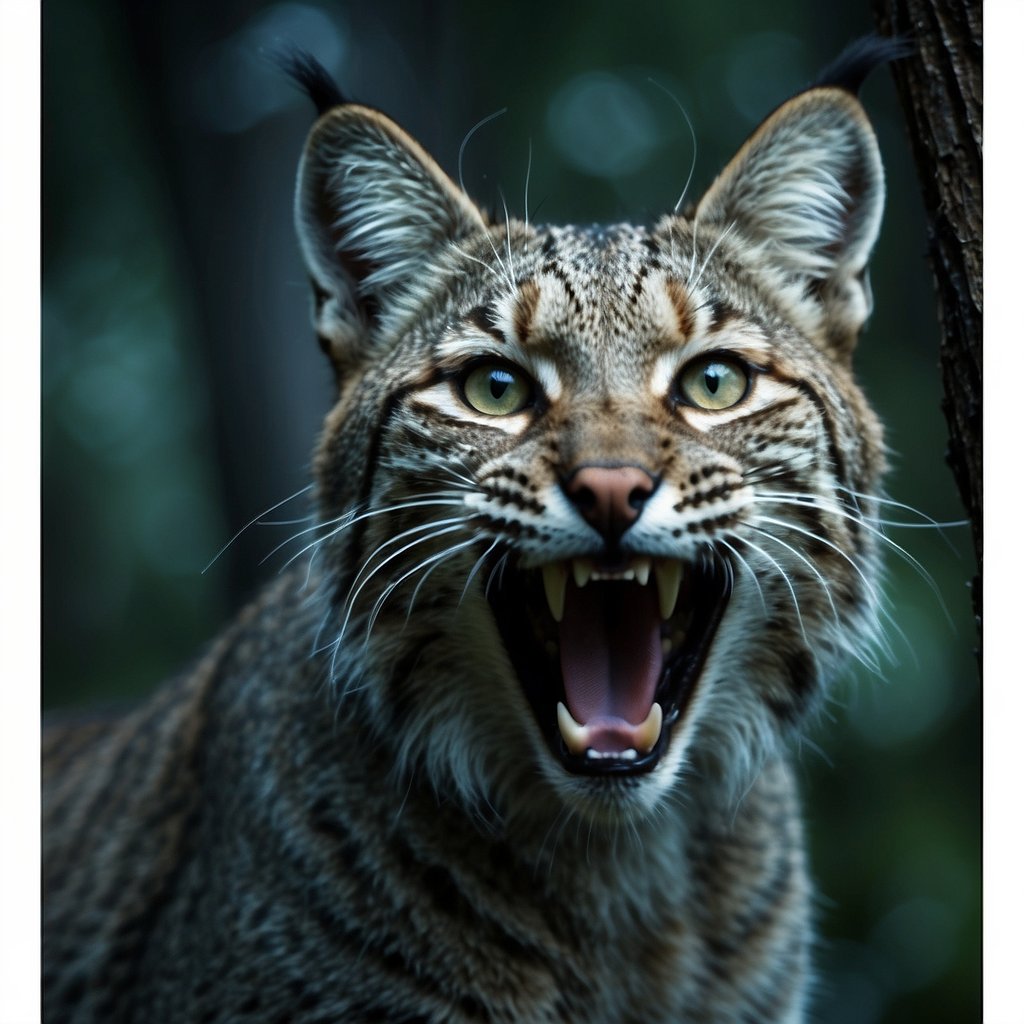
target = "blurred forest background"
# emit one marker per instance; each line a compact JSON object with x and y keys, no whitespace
{"x":183,"y":387}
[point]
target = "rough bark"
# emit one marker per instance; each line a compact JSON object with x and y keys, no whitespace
{"x":940,"y":90}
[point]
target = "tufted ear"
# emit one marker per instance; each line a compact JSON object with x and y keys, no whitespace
{"x":371,"y":207}
{"x":807,"y":189}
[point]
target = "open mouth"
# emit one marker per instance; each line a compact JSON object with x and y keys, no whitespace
{"x":608,"y":654}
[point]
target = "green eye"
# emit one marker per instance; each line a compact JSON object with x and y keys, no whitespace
{"x":496,"y":389}
{"x":714,"y":383}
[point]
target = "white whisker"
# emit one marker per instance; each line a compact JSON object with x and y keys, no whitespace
{"x":753,"y":575}
{"x":693,"y":138}
{"x":256,"y":519}
{"x":711,"y":252}
{"x":867,"y":524}
{"x":473,"y":571}
{"x":358,"y":587}
{"x":508,"y":244}
{"x":785,"y":577}
{"x":433,"y":560}
{"x":472,"y":131}
{"x":526,"y":191}
{"x":348,"y":519}
{"x":486,"y":266}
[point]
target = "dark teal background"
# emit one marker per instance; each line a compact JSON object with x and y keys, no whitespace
{"x":183,"y":387}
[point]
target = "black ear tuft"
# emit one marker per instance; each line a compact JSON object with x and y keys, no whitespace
{"x":849,"y":70}
{"x":311,"y":75}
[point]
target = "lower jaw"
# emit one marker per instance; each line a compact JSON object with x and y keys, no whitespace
{"x":540,"y":675}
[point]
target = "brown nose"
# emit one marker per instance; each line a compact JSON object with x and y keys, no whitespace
{"x":610,"y":498}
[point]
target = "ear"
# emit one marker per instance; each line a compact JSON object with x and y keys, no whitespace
{"x":807,"y":189}
{"x":370,"y":208}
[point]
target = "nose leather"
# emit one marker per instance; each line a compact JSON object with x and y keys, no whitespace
{"x":610,"y":498}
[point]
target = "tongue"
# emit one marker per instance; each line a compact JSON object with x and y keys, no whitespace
{"x":610,"y":638}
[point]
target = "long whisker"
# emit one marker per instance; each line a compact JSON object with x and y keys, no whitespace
{"x":286,"y":522}
{"x":508,"y":243}
{"x":472,"y":131}
{"x":347,"y":520}
{"x":789,"y":525}
{"x":765,"y":473}
{"x":693,"y":137}
{"x":868,"y":585}
{"x":498,"y":569}
{"x":785,"y":577}
{"x":828,"y":594}
{"x":361,"y":581}
{"x":256,"y":519}
{"x":486,"y":266}
{"x":463,"y":477}
{"x":399,"y":537}
{"x":753,"y":575}
{"x":810,"y":499}
{"x":526,"y":191}
{"x":473,"y":571}
{"x":711,"y":252}
{"x":419,"y":584}
{"x":898,"y":504}
{"x":433,"y":560}
{"x":865,"y":524}
{"x":353,"y":596}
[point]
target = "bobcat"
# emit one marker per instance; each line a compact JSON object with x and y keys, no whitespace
{"x":595,"y":528}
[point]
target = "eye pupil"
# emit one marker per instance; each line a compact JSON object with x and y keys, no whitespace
{"x":712,"y":379}
{"x":500,"y":381}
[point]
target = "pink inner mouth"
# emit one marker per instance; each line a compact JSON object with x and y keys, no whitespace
{"x":610,"y":639}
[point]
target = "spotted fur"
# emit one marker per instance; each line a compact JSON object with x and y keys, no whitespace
{"x":353,"y":809}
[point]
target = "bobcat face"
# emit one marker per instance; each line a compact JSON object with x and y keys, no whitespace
{"x":596,"y":502}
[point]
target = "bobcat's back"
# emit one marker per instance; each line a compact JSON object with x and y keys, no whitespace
{"x":595,"y":529}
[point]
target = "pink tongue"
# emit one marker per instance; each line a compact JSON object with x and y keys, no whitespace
{"x":610,"y":638}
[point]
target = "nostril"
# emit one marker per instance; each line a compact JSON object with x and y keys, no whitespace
{"x":584,"y":498}
{"x":639,"y":495}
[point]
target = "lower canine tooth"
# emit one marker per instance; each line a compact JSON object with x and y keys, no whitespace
{"x":649,"y":732}
{"x":574,"y":734}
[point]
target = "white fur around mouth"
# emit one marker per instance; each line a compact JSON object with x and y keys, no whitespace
{"x":668,"y":574}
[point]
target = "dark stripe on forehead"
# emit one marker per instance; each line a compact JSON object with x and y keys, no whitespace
{"x":686,"y":315}
{"x":526,"y":309}
{"x":485,"y":318}
{"x":722,"y":314}
{"x":557,"y":271}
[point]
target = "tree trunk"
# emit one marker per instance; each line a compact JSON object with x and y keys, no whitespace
{"x":940,"y":89}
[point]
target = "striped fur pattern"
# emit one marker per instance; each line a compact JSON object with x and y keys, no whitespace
{"x":595,"y":530}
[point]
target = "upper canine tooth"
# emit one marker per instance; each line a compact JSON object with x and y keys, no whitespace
{"x":642,"y":570}
{"x":556,"y":575}
{"x":668,"y":573}
{"x":582,"y":570}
